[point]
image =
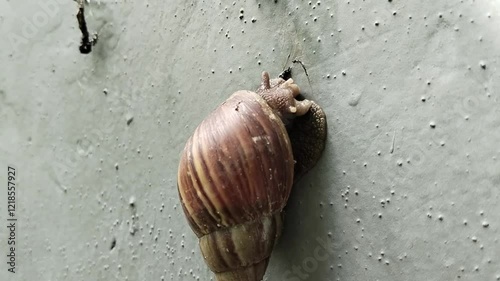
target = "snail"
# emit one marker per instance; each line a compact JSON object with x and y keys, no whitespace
{"x":237,"y":170}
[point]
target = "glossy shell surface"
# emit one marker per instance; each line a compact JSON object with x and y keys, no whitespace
{"x":237,"y":166}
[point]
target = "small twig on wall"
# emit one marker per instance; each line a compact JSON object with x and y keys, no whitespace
{"x":87,"y":42}
{"x":305,"y":70}
{"x":286,"y":74}
{"x":286,"y":63}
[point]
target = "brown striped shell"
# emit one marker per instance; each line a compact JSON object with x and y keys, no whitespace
{"x":235,"y":176}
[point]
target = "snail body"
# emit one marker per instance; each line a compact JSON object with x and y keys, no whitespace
{"x":235,"y":176}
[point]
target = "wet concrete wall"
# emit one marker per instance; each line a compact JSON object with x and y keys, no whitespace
{"x":408,"y":186}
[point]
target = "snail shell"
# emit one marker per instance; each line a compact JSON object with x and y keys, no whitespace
{"x":235,"y":176}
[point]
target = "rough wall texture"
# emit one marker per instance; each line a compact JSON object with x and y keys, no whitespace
{"x":408,"y":187}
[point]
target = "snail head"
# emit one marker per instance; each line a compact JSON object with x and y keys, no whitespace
{"x":281,"y":95}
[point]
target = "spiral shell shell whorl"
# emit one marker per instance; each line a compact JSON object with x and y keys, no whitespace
{"x":235,"y":177}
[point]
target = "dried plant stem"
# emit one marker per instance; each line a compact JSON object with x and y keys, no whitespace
{"x":87,"y":42}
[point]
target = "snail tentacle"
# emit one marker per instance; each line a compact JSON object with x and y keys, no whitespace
{"x":302,"y":107}
{"x":265,"y":80}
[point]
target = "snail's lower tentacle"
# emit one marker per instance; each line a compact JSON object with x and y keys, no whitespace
{"x":291,"y":86}
{"x":302,"y":106}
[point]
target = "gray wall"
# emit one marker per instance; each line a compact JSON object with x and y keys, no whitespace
{"x":391,"y":199}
